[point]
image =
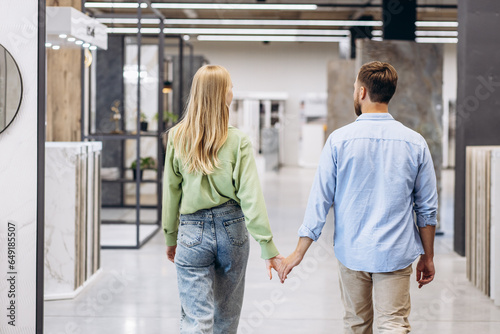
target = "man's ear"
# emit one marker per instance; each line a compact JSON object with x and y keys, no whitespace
{"x":362,"y":93}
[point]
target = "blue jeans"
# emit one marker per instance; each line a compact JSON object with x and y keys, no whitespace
{"x":211,"y":259}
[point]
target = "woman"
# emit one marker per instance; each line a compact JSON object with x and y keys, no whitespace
{"x":211,"y":180}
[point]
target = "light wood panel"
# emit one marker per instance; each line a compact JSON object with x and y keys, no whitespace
{"x":64,"y":88}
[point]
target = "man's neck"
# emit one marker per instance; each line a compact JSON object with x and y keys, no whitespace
{"x":375,"y":108}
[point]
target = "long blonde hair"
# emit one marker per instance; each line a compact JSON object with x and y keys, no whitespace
{"x":199,"y":136}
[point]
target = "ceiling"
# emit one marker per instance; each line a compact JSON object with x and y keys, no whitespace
{"x":295,"y":22}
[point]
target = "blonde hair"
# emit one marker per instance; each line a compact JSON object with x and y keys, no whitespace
{"x":199,"y":136}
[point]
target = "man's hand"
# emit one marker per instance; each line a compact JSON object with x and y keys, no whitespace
{"x":273,"y":263}
{"x":288,"y":264}
{"x":171,"y":253}
{"x":425,"y":270}
{"x":295,"y":258}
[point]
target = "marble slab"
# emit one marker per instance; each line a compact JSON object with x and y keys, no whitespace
{"x":495,"y":227}
{"x":341,"y":76}
{"x":482,"y":219}
{"x":418,"y":100}
{"x":73,"y":197}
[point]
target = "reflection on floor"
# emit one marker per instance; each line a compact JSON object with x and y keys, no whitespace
{"x":137,"y":292}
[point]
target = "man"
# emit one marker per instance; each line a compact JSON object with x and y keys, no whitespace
{"x":376,"y":173}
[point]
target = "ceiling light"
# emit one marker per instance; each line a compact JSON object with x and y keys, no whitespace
{"x":132,"y":30}
{"x":424,"y":33}
{"x":220,"y":6}
{"x":126,"y":20}
{"x":56,"y":47}
{"x":186,"y":37}
{"x":436,"y":40}
{"x":268,"y":38}
{"x":205,"y":31}
{"x":328,"y":23}
{"x":92,"y":47}
{"x":48,"y":45}
{"x":71,"y":39}
{"x":448,"y":24}
{"x":437,"y":33}
{"x":114,"y":5}
{"x":79,"y":42}
{"x":86,"y":45}
{"x":63,"y":36}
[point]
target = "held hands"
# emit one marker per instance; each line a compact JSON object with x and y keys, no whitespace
{"x":274,"y":263}
{"x":171,"y":253}
{"x":288,"y":264}
{"x":425,"y":271}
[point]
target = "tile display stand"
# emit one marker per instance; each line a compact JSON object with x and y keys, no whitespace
{"x":482,"y":218}
{"x":72,"y":217}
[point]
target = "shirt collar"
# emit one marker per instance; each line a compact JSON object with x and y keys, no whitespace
{"x":382,"y":116}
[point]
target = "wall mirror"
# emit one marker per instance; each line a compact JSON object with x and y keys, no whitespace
{"x":11,"y":88}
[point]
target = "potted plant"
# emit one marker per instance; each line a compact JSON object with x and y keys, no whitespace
{"x":169,"y":119}
{"x":144,"y":122}
{"x":145,"y":163}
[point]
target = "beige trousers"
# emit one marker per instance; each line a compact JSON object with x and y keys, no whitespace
{"x":391,"y":297}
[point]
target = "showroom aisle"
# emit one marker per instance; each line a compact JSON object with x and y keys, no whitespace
{"x":137,"y":290}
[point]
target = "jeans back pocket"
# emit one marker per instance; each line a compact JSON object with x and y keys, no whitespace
{"x":236,"y":231}
{"x":190,"y":233}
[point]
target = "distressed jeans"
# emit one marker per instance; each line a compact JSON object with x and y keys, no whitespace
{"x":211,"y":259}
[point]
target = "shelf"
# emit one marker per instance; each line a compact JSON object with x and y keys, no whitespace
{"x":130,"y":181}
{"x":118,"y":136}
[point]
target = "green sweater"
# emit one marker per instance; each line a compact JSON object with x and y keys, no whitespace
{"x":236,"y":178}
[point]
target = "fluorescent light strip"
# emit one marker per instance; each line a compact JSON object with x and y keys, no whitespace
{"x":196,"y":31}
{"x":207,"y":31}
{"x":448,"y":24}
{"x":436,"y":40}
{"x":132,"y":30}
{"x":328,"y":23}
{"x":226,"y":38}
{"x":437,"y":33}
{"x":114,"y":5}
{"x":425,"y":33}
{"x":331,"y":23}
{"x":217,"y":6}
{"x":107,"y":20}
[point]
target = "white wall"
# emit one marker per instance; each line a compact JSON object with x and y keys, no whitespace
{"x":18,"y":167}
{"x":294,"y":68}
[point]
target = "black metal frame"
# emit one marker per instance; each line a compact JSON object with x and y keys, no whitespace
{"x":138,"y":135}
{"x":40,"y":198}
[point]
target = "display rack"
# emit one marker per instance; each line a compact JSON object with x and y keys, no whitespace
{"x":144,"y":229}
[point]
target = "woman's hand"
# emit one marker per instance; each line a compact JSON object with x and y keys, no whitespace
{"x":171,"y":253}
{"x":273,"y":263}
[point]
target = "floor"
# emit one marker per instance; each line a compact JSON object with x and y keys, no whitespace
{"x":136,"y":291}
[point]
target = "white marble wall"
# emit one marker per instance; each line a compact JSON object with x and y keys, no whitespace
{"x":18,"y":166}
{"x":72,"y":216}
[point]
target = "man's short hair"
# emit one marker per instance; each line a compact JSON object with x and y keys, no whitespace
{"x":380,"y":79}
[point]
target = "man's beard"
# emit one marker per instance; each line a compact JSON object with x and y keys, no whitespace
{"x":357,"y":107}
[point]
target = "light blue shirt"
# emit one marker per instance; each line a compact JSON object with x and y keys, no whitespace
{"x":376,"y":172}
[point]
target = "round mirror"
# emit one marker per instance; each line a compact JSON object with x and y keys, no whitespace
{"x":11,"y":88}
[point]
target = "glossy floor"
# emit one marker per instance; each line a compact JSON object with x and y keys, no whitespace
{"x":137,"y":290}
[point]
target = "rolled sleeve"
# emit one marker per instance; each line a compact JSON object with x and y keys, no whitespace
{"x":304,"y":231}
{"x":425,"y":192}
{"x":423,"y":221}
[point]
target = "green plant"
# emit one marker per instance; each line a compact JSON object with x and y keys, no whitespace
{"x":144,"y":117}
{"x":167,"y":117}
{"x":145,"y":163}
